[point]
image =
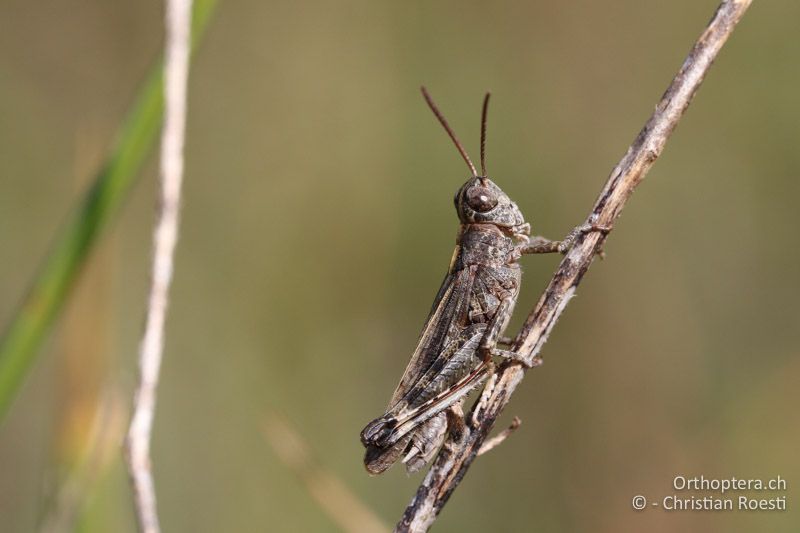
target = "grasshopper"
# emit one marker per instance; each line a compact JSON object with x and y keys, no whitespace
{"x":458,"y":344}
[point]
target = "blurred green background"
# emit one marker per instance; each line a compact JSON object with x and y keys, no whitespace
{"x":317,"y":225}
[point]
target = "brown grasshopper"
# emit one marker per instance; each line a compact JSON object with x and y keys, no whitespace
{"x":455,"y":351}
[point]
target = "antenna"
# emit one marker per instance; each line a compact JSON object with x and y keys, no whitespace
{"x":449,"y":131}
{"x":483,"y":132}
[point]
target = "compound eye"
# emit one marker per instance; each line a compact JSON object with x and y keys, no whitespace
{"x":481,"y":199}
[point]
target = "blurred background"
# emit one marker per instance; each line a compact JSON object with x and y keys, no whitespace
{"x":318,"y":223}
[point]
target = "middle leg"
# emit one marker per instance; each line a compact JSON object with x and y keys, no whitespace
{"x":491,"y":337}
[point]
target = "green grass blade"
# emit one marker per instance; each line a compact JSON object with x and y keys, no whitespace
{"x":56,"y":276}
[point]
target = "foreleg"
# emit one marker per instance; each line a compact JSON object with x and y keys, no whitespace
{"x":542,"y":245}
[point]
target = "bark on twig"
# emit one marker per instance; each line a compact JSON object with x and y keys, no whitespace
{"x":165,"y":236}
{"x":455,"y":458}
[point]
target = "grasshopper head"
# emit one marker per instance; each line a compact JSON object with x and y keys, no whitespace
{"x":480,"y":201}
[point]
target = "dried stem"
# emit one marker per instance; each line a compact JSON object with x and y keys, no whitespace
{"x":500,"y":438}
{"x":165,"y":236}
{"x":455,"y":458}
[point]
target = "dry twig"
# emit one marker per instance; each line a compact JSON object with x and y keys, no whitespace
{"x":500,"y":438}
{"x":165,"y":236}
{"x":455,"y":458}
